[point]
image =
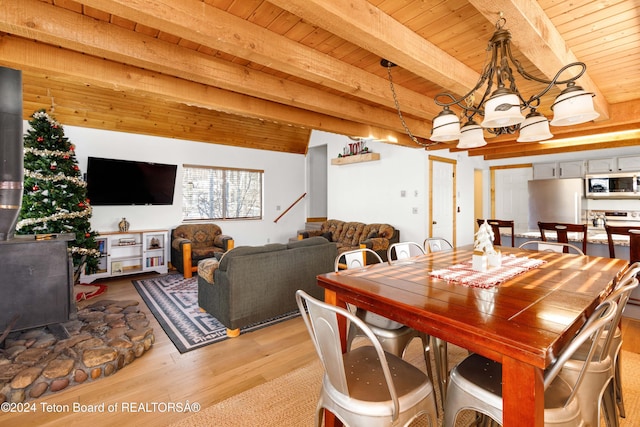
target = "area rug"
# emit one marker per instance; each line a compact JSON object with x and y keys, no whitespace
{"x":290,"y":400}
{"x":84,"y":291}
{"x":173,"y":300}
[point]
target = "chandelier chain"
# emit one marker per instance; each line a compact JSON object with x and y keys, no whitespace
{"x":404,"y":124}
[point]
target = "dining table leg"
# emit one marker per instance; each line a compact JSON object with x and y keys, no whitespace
{"x":522,"y":394}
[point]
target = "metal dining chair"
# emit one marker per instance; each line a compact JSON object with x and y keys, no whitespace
{"x":632,"y":271}
{"x":599,"y":379}
{"x":402,"y":251}
{"x":475,"y":382}
{"x":542,"y":246}
{"x":562,"y":229}
{"x":393,"y":336}
{"x":365,"y":386}
{"x":436,"y":244}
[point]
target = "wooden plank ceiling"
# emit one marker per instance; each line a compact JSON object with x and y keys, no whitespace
{"x":263,"y":74}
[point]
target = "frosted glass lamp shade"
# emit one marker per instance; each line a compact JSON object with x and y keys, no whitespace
{"x":573,"y":106}
{"x":471,"y":136}
{"x":502,"y":110}
{"x":446,"y":126}
{"x":534,"y":128}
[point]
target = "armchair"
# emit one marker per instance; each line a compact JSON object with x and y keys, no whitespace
{"x":191,"y":243}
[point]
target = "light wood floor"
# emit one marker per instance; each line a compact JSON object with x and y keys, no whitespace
{"x":204,"y":376}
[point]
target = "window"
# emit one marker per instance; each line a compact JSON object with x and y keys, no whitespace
{"x":221,"y":193}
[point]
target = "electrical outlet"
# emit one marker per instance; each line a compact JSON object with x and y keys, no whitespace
{"x":414,"y":210}
{"x":403,"y":193}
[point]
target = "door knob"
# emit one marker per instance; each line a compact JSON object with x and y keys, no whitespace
{"x":434,"y":222}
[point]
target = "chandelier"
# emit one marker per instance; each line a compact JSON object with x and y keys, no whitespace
{"x":501,"y":106}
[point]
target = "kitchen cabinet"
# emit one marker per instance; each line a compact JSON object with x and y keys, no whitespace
{"x":629,"y":164}
{"x":573,"y":169}
{"x":601,"y":165}
{"x":614,"y":164}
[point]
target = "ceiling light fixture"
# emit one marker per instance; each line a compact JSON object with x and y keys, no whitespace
{"x":501,"y":106}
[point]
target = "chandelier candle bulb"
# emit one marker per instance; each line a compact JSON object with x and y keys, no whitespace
{"x":573,"y":106}
{"x":534,"y":128}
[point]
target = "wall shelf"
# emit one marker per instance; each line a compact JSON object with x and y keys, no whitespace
{"x":358,"y":158}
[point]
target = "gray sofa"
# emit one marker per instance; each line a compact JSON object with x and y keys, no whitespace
{"x":255,"y":283}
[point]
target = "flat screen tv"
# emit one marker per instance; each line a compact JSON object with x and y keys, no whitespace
{"x":112,"y":182}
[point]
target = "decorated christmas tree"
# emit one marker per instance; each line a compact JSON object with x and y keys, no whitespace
{"x":55,"y":196}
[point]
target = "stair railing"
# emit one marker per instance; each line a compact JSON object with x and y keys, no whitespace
{"x":289,"y":208}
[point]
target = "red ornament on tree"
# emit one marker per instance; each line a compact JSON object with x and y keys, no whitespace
{"x":35,"y":188}
{"x":75,"y":167}
{"x":52,"y":167}
{"x":40,"y":139}
{"x":81,"y":205}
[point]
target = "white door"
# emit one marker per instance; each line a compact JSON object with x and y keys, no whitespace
{"x":442,"y":206}
{"x":512,"y":196}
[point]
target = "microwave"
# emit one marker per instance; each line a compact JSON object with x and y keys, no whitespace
{"x":613,"y":185}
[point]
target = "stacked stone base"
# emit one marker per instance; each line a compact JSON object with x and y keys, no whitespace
{"x":106,"y":336}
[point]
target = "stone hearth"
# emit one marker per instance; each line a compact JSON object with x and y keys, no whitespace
{"x":105,"y":337}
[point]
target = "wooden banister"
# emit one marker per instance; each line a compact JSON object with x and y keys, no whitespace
{"x":289,"y":208}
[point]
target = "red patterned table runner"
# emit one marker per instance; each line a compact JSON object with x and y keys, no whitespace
{"x":464,"y":274}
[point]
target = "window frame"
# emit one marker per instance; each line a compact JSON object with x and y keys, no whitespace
{"x":225,"y":186}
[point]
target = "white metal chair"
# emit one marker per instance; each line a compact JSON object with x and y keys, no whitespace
{"x":365,"y":386}
{"x":475,"y":382}
{"x":599,"y":380}
{"x":436,"y":244}
{"x":631,"y":272}
{"x":393,"y":336}
{"x":542,"y":246}
{"x":397,"y":252}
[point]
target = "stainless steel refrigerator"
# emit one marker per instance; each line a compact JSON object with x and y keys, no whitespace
{"x":555,"y":200}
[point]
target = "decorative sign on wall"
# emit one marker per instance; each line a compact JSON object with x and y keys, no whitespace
{"x":354,"y":148}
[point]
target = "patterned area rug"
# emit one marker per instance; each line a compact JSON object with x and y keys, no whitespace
{"x":173,"y":300}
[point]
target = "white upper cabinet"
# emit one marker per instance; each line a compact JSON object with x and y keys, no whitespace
{"x":601,"y":165}
{"x":614,"y":164}
{"x":572,"y":169}
{"x":629,"y":164}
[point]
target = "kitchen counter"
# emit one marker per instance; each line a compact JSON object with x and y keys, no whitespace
{"x":597,"y":244}
{"x":595,"y":235}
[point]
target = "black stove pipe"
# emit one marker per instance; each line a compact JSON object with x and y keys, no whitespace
{"x":11,"y":151}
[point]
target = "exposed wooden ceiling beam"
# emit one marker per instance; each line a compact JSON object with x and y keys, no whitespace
{"x":66,"y":65}
{"x":359,"y":22}
{"x":211,"y":27}
{"x":46,"y":23}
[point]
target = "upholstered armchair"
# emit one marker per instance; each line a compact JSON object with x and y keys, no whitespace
{"x":191,"y":243}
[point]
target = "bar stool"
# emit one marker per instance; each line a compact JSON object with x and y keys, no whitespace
{"x":561,"y":230}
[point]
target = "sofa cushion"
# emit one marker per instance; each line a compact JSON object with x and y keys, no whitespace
{"x":311,"y":241}
{"x":333,"y":227}
{"x":200,"y":234}
{"x":249,"y":250}
{"x":206,"y":269}
{"x":372,"y":231}
{"x":351,"y":233}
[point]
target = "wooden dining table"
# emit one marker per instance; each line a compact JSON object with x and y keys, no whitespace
{"x":522,"y":322}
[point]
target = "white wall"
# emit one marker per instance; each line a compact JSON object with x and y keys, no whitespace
{"x":371,"y":191}
{"x":284,"y":182}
